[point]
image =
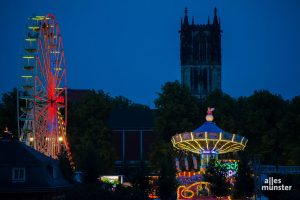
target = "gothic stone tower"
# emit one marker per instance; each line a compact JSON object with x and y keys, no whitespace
{"x":200,"y":55}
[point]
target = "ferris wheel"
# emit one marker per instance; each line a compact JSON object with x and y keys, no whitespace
{"x":42,"y":96}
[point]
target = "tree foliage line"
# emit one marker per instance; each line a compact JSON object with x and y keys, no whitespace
{"x":270,"y":123}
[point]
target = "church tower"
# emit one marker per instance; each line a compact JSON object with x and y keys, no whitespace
{"x":200,"y":55}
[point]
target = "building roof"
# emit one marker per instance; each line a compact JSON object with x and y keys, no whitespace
{"x":42,"y":173}
{"x":77,"y":94}
{"x":131,"y":118}
{"x":13,"y":151}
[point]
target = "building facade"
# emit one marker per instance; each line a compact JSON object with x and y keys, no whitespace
{"x":133,"y":137}
{"x":200,"y":55}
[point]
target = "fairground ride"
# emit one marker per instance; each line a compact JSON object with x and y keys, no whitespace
{"x":42,"y":94}
{"x":198,"y":147}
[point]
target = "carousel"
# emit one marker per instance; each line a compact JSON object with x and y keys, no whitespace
{"x":198,"y":147}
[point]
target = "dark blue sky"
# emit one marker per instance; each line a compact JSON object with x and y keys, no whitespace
{"x":131,"y":48}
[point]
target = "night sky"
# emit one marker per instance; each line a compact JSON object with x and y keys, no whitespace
{"x":131,"y":48}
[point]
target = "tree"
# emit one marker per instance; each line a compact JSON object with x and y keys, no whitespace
{"x":90,"y":138}
{"x":139,"y":178}
{"x":89,"y":160}
{"x":64,"y":163}
{"x":177,"y":110}
{"x":120,"y":102}
{"x":8,"y":112}
{"x":167,"y":183}
{"x":244,"y":186}
{"x":88,"y":191}
{"x":226,"y":110}
{"x":128,"y":193}
{"x":258,"y":122}
{"x":163,"y":161}
{"x":289,"y":127}
{"x":216,"y":176}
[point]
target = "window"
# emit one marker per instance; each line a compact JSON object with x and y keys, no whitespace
{"x":52,"y":171}
{"x":18,"y":174}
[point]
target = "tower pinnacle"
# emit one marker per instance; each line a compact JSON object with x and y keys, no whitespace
{"x":186,"y":20}
{"x":215,"y":16}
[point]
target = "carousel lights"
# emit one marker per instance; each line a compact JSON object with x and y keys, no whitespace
{"x":206,"y":138}
{"x":232,"y":145}
{"x":233,"y":137}
{"x":191,"y":195}
{"x":200,"y":147}
{"x":208,"y":152}
{"x":208,"y":141}
{"x":182,"y":189}
{"x":215,"y":145}
{"x":188,"y":173}
{"x":229,"y":165}
{"x":189,"y":143}
{"x":180,"y":138}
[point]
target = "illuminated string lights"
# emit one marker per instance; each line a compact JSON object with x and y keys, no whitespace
{"x":43,"y":87}
{"x":221,"y":145}
{"x":208,"y":141}
{"x":188,"y":192}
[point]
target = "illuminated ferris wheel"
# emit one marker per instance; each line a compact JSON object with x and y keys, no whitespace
{"x":42,"y":96}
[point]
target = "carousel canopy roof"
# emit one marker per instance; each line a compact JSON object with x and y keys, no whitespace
{"x":209,"y":127}
{"x":209,"y":138}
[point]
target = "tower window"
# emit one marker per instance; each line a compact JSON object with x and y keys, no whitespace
{"x":205,"y":79}
{"x":195,"y":81}
{"x":18,"y":175}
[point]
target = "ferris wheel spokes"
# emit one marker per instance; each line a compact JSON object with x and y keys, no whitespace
{"x":43,"y":98}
